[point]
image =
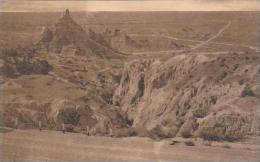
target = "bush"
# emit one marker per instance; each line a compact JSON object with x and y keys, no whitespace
{"x":186,"y":134}
{"x":226,"y":146}
{"x":207,"y":143}
{"x":42,"y":67}
{"x":35,"y":67}
{"x":200,"y":112}
{"x":141,"y":132}
{"x":189,"y":143}
{"x":247,"y":92}
{"x":160,"y":132}
{"x":69,"y":128}
{"x":22,"y":62}
{"x":7,"y":53}
{"x":174,"y":142}
{"x":229,"y":127}
{"x":8,"y":70}
{"x":188,"y":127}
{"x":124,"y":132}
{"x":214,"y":135}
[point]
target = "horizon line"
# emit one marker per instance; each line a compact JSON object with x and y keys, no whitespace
{"x":128,"y":6}
{"x":130,"y":11}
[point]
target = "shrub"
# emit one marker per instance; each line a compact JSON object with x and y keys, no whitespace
{"x":247,"y":92}
{"x":229,"y":127}
{"x":160,"y":132}
{"x":207,"y":143}
{"x":200,"y":112}
{"x":141,"y":132}
{"x":173,"y":131}
{"x":36,"y":67}
{"x":185,"y":134}
{"x":7,"y":53}
{"x":174,"y":142}
{"x":124,"y":132}
{"x":217,"y":135}
{"x":188,"y":127}
{"x":189,"y":143}
{"x":69,"y":128}
{"x":226,"y":146}
{"x":8,"y":70}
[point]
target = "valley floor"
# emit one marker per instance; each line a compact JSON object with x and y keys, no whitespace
{"x":33,"y":145}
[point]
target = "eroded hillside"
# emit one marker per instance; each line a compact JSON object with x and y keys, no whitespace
{"x":65,"y":78}
{"x":101,"y":83}
{"x":212,"y":96}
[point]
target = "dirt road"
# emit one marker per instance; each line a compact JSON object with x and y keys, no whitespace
{"x":213,"y":37}
{"x":200,"y":43}
{"x":31,"y":145}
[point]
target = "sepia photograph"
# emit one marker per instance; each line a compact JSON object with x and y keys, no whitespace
{"x":129,"y":81}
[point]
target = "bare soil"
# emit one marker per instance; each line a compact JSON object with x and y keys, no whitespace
{"x":17,"y":145}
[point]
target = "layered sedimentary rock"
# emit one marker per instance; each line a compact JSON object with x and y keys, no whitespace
{"x":96,"y":119}
{"x":214,"y":96}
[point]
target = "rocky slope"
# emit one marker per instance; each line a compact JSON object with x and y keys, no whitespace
{"x":211,"y":96}
{"x":66,"y":78}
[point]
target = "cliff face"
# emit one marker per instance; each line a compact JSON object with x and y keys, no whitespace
{"x":192,"y":95}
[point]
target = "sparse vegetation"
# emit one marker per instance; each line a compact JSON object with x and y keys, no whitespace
{"x":247,"y":92}
{"x":207,"y":143}
{"x":200,"y":112}
{"x":219,"y":129}
{"x":124,"y":132}
{"x":174,"y":142}
{"x":189,"y":143}
{"x":226,"y":146}
{"x":186,"y":134}
{"x":22,"y":62}
{"x":167,"y":92}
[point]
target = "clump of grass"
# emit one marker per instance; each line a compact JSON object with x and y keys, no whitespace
{"x":200,"y":112}
{"x":189,"y":143}
{"x":226,"y":146}
{"x":126,"y":132}
{"x":186,"y":134}
{"x":174,"y":142}
{"x":207,"y":143}
{"x":247,"y":92}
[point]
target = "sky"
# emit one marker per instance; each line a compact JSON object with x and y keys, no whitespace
{"x":129,"y":5}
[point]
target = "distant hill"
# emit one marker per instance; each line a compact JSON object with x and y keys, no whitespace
{"x":67,"y":33}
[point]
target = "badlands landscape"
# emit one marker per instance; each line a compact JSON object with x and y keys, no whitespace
{"x":129,"y":86}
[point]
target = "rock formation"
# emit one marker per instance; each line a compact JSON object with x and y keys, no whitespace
{"x":53,"y":114}
{"x":66,"y":32}
{"x":193,"y":95}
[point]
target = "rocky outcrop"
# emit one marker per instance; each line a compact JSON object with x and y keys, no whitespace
{"x":95,"y":119}
{"x":131,"y":43}
{"x":66,"y":32}
{"x":187,"y":91}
